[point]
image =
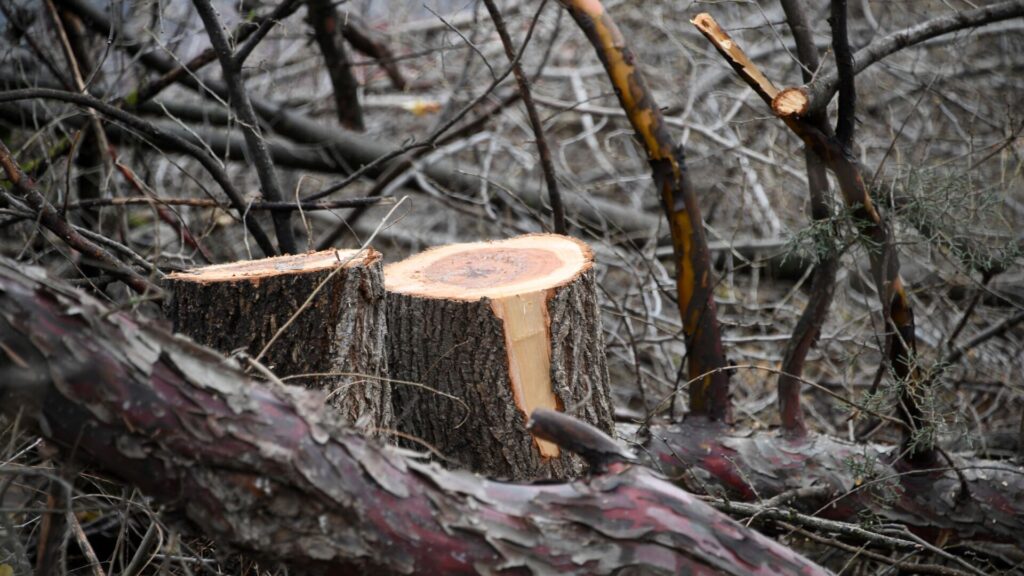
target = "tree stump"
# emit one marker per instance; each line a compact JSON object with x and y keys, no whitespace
{"x":506,"y":327}
{"x":335,"y":344}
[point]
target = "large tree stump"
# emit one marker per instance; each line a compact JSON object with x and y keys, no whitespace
{"x":335,"y":344}
{"x":506,"y":327}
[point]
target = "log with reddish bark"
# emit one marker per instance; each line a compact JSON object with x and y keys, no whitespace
{"x":316,"y":318}
{"x":860,"y":481}
{"x":265,"y":469}
{"x":494,"y":330}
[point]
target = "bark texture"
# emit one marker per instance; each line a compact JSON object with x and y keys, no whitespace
{"x":339,"y":336}
{"x":265,"y":469}
{"x":867,"y":481}
{"x":459,"y":348}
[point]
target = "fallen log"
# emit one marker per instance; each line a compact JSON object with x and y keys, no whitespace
{"x":860,"y":481}
{"x":508,"y":327}
{"x":317,"y":317}
{"x":264,"y":469}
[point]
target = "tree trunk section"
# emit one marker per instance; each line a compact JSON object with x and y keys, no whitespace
{"x":265,"y":470}
{"x":335,"y":344}
{"x":505,"y":327}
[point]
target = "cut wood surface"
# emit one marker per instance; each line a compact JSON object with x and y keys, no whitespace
{"x":335,"y":343}
{"x":505,"y":327}
{"x":263,"y":469}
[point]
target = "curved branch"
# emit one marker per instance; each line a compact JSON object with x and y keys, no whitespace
{"x":49,"y":218}
{"x":709,"y":393}
{"x":813,"y":97}
{"x":265,"y":469}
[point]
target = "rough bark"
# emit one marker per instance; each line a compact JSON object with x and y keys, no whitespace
{"x":262,"y":468}
{"x":460,"y":346}
{"x":866,"y":481}
{"x":337,"y":338}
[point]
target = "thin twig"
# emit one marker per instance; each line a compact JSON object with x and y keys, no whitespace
{"x":555,"y":197}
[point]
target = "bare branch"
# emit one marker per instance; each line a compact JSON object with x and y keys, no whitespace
{"x":554,"y":196}
{"x":49,"y":218}
{"x":814,"y":97}
{"x":846,"y":120}
{"x":255,"y":143}
{"x":154,"y":132}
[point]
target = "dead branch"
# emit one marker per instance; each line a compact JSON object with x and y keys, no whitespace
{"x":814,"y":96}
{"x":49,"y":218}
{"x":548,"y":167}
{"x":158,"y":136}
{"x":323,"y":19}
{"x":859,"y":480}
{"x":239,"y":100}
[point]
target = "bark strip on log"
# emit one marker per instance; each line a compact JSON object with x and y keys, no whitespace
{"x":866,"y":481}
{"x":266,"y":470}
{"x":507,"y":327}
{"x":337,"y":338}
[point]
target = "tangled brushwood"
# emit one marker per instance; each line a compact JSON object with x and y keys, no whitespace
{"x":508,"y":286}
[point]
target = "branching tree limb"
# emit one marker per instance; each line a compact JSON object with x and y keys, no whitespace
{"x":25,"y":188}
{"x":265,"y":469}
{"x":158,"y":136}
{"x":372,"y":155}
{"x":242,"y":106}
{"x":709,"y":390}
{"x":813,"y":97}
{"x":874,"y":231}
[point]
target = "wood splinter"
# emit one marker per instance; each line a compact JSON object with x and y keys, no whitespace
{"x":336,"y":342}
{"x":506,"y":327}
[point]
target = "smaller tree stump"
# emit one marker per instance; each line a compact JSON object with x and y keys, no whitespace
{"x":506,"y":327}
{"x":335,"y":344}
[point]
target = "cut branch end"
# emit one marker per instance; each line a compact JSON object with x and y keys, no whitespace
{"x":791,"y":102}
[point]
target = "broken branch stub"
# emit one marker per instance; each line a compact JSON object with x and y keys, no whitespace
{"x":481,"y":334}
{"x":318,"y":317}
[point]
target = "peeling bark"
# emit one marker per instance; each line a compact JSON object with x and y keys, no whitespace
{"x":264,"y":469}
{"x":866,"y":480}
